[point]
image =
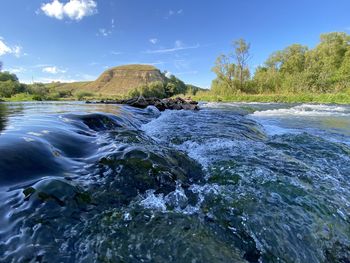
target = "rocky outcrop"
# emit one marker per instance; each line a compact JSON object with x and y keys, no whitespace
{"x":120,"y":80}
{"x":161,"y":104}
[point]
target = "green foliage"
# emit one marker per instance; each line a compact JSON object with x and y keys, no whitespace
{"x":295,"y":69}
{"x":39,"y":91}
{"x":9,"y":85}
{"x":170,"y":87}
{"x":154,"y":89}
{"x":232,"y":70}
{"x":324,"y":69}
{"x":20,"y":97}
{"x":192,"y":90}
{"x":82,"y":95}
{"x":174,"y":86}
{"x":339,"y":98}
{"x":5,"y":76}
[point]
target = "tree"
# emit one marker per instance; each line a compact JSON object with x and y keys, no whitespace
{"x":242,"y":57}
{"x":4,"y":76}
{"x":232,"y":70}
{"x":1,"y":65}
{"x":225,"y":70}
{"x":174,"y":86}
{"x":9,"y":88}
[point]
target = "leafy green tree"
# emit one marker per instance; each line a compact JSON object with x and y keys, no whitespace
{"x":225,"y":71}
{"x":174,"y":86}
{"x":242,"y":57}
{"x":4,"y":76}
{"x":324,"y":68}
{"x":232,"y":70}
{"x":267,"y":79}
{"x":9,"y":88}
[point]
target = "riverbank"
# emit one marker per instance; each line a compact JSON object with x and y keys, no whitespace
{"x":329,"y":98}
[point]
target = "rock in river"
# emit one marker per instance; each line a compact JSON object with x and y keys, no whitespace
{"x":161,"y":104}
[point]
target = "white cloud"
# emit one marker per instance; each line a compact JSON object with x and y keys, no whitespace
{"x":74,"y":9}
{"x":168,"y":74}
{"x":5,"y":49}
{"x":179,"y":45}
{"x":59,"y":79}
{"x":17,"y":51}
{"x":54,"y":9}
{"x":104,"y":32}
{"x":190,"y":72}
{"x":174,"y":12}
{"x":53,"y":70}
{"x":116,"y":53}
{"x":153,"y":41}
{"x":17,"y":70}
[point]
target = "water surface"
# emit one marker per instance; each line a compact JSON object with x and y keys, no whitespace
{"x":234,"y":182}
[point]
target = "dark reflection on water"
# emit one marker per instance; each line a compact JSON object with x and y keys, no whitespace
{"x":230,"y":183}
{"x":3,"y":114}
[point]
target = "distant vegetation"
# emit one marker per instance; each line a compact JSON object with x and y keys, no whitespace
{"x":170,"y":87}
{"x":296,"y":73}
{"x":12,"y":90}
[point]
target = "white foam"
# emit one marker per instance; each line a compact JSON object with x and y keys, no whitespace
{"x":306,"y":110}
{"x":206,"y":152}
{"x":153,"y":201}
{"x":232,"y":104}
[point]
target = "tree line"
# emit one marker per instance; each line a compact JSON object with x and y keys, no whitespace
{"x":10,"y":86}
{"x":295,"y":69}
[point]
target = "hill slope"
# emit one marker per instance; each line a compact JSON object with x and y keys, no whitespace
{"x":120,"y":80}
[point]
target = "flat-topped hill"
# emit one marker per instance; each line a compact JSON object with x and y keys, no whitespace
{"x":120,"y":80}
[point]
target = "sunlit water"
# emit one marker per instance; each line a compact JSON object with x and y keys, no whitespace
{"x":235,"y":182}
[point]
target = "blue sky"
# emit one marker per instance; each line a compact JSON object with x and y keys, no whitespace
{"x":71,"y":40}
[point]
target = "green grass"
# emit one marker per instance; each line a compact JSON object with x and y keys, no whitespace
{"x":336,"y":98}
{"x":20,"y":97}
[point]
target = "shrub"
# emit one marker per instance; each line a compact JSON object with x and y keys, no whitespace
{"x":81,"y":95}
{"x":9,"y":88}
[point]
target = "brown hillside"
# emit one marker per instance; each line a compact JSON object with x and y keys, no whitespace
{"x":120,"y":80}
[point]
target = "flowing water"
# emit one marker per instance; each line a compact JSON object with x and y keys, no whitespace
{"x":234,"y":182}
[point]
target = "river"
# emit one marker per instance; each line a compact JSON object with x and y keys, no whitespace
{"x":233,"y":182}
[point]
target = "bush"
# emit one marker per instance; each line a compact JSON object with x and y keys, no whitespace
{"x":5,"y":76}
{"x":9,"y":88}
{"x":154,"y":89}
{"x":82,"y":95}
{"x":64,"y":93}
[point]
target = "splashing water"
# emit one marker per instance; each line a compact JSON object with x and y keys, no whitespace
{"x":235,"y":182}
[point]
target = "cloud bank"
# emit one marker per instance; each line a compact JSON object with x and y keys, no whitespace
{"x":74,"y":9}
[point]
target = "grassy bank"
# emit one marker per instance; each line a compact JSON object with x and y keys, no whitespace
{"x":337,"y":98}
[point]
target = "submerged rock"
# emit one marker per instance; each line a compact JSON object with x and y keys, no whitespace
{"x":161,"y":104}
